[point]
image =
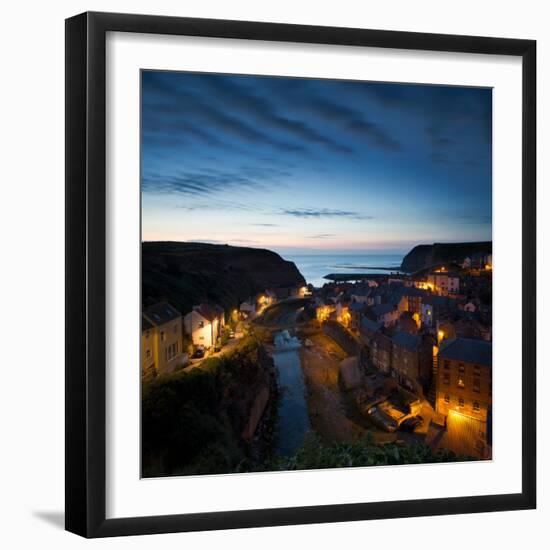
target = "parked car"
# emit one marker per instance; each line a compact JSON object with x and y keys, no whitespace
{"x":199,"y":352}
{"x":410,"y":424}
{"x":379,"y":418}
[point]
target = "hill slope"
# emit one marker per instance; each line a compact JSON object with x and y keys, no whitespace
{"x":427,"y":255}
{"x":186,"y":274}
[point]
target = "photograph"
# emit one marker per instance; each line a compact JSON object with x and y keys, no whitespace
{"x":316,"y":273}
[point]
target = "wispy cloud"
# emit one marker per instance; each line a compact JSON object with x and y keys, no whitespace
{"x":246,"y":116}
{"x":446,"y":158}
{"x":352,"y":121}
{"x":262,"y":110}
{"x":210,"y":181}
{"x":437,"y":138}
{"x":216,"y":204}
{"x":197,"y":183}
{"x":474,"y":219}
{"x":206,"y":241}
{"x":324,"y":213}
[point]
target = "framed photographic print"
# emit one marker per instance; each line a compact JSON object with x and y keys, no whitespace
{"x":300,"y":274}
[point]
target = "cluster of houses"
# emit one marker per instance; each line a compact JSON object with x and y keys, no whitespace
{"x":167,"y":334}
{"x":164,"y":330}
{"x":432,"y":335}
{"x":479,"y":261}
{"x":255,"y":305}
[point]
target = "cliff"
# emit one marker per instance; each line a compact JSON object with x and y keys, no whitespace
{"x":203,"y":420}
{"x":186,"y":274}
{"x":428,"y":255}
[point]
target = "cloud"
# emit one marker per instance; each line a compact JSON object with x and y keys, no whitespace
{"x":197,"y":184}
{"x":437,"y":138}
{"x":351,"y":121}
{"x":210,"y":181}
{"x":206,"y":241}
{"x":475,"y":219}
{"x":252,"y":118}
{"x":263,"y":111}
{"x":444,"y":158}
{"x":322,"y":236}
{"x":244,"y":241}
{"x":216,"y":204}
{"x":265,"y":224}
{"x":324,"y":213}
{"x":373,"y":133}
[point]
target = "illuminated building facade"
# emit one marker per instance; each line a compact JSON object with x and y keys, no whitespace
{"x":464,"y":377}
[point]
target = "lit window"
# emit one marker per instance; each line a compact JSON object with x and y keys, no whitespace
{"x":461,"y":402}
{"x":201,"y":324}
{"x":460,"y":382}
{"x":476,"y":406}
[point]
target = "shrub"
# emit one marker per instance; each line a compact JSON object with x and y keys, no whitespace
{"x":192,"y":419}
{"x":314,"y":455}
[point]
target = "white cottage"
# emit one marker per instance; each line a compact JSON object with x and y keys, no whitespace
{"x":204,"y":324}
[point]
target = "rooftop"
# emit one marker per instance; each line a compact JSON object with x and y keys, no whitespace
{"x":369,"y":324}
{"x":468,"y":350}
{"x":208,"y":311}
{"x":407,"y":341}
{"x":382,"y":309}
{"x":145,"y":323}
{"x":161,"y":313}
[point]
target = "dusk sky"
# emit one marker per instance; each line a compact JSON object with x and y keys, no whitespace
{"x":308,"y":165}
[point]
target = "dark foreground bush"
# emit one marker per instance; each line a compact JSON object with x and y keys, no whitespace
{"x":314,"y":455}
{"x":192,"y":419}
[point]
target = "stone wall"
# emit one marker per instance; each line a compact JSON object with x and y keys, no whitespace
{"x":345,"y":339}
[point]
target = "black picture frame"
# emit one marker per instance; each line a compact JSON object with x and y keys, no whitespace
{"x":86,"y":284}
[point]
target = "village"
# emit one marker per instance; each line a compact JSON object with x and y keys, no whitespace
{"x":405,"y":356}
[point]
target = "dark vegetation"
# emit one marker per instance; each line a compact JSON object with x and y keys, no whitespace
{"x":192,"y":420}
{"x":313,"y":454}
{"x":186,"y":274}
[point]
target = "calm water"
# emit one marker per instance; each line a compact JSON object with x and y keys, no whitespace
{"x":315,"y":267}
{"x":293,"y":414}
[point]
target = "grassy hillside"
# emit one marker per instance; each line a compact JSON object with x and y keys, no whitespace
{"x":186,"y":274}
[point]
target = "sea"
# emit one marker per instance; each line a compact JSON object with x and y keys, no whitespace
{"x":315,"y":266}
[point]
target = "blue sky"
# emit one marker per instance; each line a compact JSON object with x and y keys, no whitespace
{"x":309,"y":165}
